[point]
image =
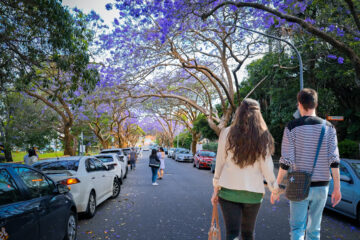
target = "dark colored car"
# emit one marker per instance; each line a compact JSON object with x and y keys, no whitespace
{"x":33,"y":207}
{"x":166,"y":150}
{"x":203,"y":159}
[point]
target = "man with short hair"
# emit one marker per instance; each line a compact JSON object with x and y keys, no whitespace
{"x":300,"y":141}
{"x":133,"y":157}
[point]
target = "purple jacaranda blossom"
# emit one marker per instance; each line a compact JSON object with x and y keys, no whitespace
{"x":340,"y":60}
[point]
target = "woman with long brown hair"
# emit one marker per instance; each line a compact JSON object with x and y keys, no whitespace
{"x":243,"y":161}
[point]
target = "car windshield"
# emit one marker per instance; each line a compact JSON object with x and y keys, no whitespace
{"x":58,"y":165}
{"x":184,"y":152}
{"x":356,"y":167}
{"x":105,"y":159}
{"x":207,"y":154}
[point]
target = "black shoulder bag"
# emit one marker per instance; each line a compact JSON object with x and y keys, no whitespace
{"x":298,"y":185}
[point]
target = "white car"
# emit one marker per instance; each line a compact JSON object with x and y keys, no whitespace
{"x":122,"y":156}
{"x":112,"y":161}
{"x":89,"y":180}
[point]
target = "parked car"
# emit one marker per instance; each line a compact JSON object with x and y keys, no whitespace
{"x":176,"y":151}
{"x":350,"y":189}
{"x":146,"y":148}
{"x":89,"y":180}
{"x":126,"y":151}
{"x":184,"y":155}
{"x":122,"y":156}
{"x":112,"y":161}
{"x":166,"y":151}
{"x":203,"y":159}
{"x":33,"y":206}
{"x":213,"y":165}
{"x":170,"y":152}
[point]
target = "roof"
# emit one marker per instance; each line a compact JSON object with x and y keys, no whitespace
{"x":106,"y":154}
{"x":72,"y":158}
{"x":11,"y":164}
{"x":111,"y":149}
{"x":350,"y":160}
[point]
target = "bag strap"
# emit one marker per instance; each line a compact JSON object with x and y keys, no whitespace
{"x":319,"y":144}
{"x":215,"y":216}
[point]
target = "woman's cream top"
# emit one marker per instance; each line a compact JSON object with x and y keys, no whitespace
{"x":250,"y":178}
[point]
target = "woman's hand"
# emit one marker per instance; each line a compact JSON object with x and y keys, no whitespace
{"x":214,"y":199}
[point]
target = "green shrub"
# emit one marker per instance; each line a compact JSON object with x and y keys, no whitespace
{"x":211,"y":146}
{"x":349,"y":149}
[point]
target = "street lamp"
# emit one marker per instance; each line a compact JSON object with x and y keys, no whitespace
{"x":296,"y":114}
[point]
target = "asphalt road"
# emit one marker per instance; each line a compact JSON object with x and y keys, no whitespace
{"x":180,"y":209}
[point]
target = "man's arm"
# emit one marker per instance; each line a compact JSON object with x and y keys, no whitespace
{"x":336,"y":194}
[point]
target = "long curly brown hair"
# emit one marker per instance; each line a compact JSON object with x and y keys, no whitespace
{"x":249,"y":138}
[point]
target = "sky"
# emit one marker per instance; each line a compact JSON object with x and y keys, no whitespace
{"x":97,"y":5}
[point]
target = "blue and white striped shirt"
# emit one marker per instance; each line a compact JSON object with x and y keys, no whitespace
{"x":299,"y":145}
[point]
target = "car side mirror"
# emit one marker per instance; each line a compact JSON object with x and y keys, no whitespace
{"x":62,"y":189}
{"x":345,"y":178}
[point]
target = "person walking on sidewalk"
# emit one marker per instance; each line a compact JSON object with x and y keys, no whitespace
{"x":299,"y":144}
{"x":154,"y":164}
{"x":161,"y":155}
{"x":243,"y":160}
{"x":31,"y":157}
{"x":133,"y":158}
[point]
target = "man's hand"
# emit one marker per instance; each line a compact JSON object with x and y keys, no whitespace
{"x":335,"y":197}
{"x":275,"y":197}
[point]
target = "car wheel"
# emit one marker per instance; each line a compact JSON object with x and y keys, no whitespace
{"x":91,"y":208}
{"x":71,"y":227}
{"x":116,"y":188}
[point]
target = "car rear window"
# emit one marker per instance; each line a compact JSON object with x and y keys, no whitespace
{"x":207,"y":154}
{"x":113,"y":151}
{"x":126,"y":151}
{"x":58,"y":165}
{"x":105,"y":159}
{"x":9,"y":192}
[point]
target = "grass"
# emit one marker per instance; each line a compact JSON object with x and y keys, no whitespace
{"x":19,"y":156}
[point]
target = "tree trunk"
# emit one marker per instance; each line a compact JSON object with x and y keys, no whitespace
{"x":68,"y":149}
{"x":104,"y":144}
{"x":195,"y":139}
{"x":7,"y":151}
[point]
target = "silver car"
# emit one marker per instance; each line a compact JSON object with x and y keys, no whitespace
{"x":350,"y":189}
{"x":184,"y":156}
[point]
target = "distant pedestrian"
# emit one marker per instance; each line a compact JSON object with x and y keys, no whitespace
{"x":161,"y":155}
{"x":154,"y":163}
{"x":31,"y":157}
{"x":133,"y":158}
{"x":243,"y":160}
{"x":309,"y":145}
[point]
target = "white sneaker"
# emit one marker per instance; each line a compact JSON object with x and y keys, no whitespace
{"x":155,"y":184}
